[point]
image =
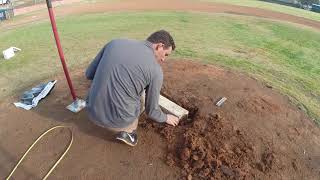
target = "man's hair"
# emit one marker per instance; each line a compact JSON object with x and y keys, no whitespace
{"x":162,"y":36}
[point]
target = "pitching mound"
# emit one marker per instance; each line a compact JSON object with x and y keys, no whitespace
{"x":255,"y":134}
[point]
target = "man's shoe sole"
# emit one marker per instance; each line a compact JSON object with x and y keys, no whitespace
{"x":126,"y":142}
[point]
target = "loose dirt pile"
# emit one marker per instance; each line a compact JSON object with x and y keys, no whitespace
{"x":208,"y":148}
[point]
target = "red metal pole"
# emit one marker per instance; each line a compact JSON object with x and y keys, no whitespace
{"x":56,"y":36}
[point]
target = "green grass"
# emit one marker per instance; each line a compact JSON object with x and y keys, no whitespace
{"x":283,"y":55}
{"x":271,"y":6}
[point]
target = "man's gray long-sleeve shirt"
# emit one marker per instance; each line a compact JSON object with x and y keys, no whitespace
{"x":121,"y":71}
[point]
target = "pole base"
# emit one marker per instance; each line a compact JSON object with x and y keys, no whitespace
{"x":77,"y":105}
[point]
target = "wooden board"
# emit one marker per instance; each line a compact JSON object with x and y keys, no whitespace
{"x":173,"y":108}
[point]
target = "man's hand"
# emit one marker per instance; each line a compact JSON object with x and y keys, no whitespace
{"x":172,"y":120}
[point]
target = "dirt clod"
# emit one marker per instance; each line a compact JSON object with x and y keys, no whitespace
{"x":185,"y":154}
{"x":227,"y":171}
{"x":189,"y":177}
{"x":267,"y":159}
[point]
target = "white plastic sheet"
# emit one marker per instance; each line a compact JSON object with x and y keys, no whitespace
{"x":36,"y":99}
{"x":9,"y":53}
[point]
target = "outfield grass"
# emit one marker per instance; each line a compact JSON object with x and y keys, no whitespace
{"x":270,"y":6}
{"x":284,"y":55}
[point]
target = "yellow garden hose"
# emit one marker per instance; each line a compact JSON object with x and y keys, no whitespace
{"x":58,"y":161}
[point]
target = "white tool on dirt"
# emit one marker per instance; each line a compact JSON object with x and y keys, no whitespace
{"x":77,"y":105}
{"x":9,"y":53}
{"x":173,"y":108}
{"x":221,"y":101}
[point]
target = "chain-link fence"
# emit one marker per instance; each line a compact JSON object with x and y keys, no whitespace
{"x":24,"y":3}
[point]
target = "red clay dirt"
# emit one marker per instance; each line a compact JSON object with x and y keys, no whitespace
{"x":256,"y":134}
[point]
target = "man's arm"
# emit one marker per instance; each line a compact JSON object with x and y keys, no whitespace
{"x":91,"y":70}
{"x":152,"y":99}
